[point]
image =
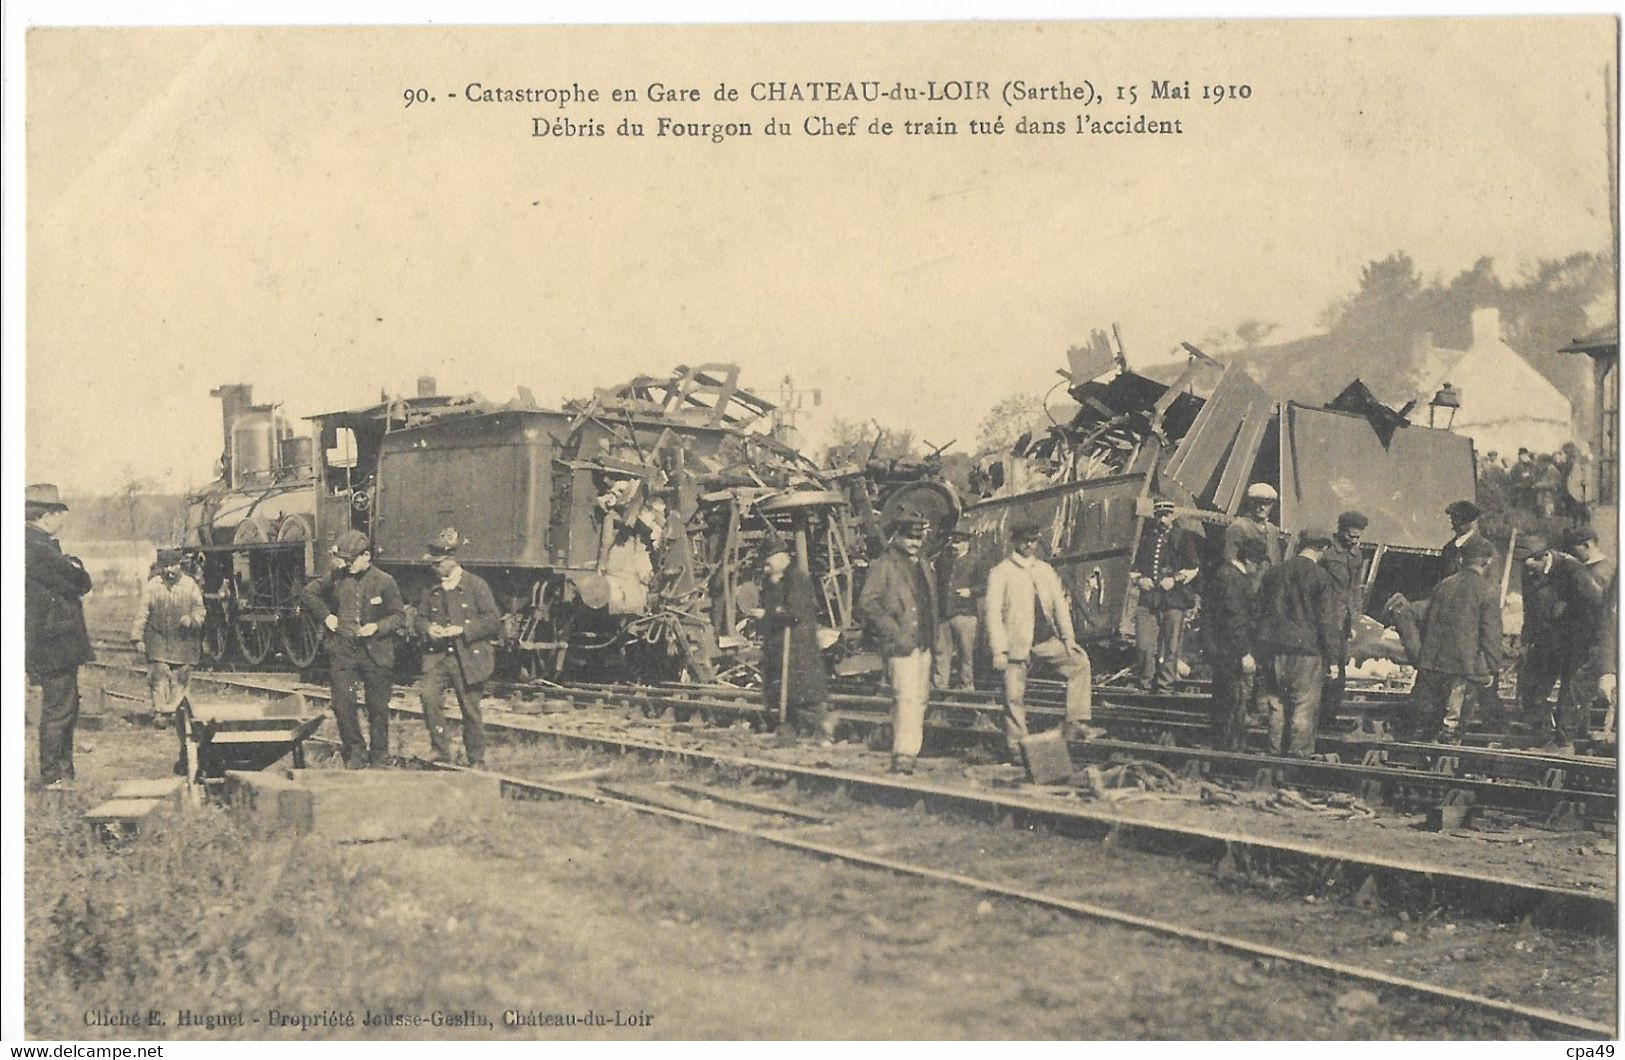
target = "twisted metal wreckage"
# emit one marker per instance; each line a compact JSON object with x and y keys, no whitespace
{"x":623,"y":533}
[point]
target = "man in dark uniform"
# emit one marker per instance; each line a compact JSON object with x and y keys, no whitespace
{"x":792,"y":664}
{"x":1559,"y":633}
{"x":1461,"y":646}
{"x":1229,"y":622}
{"x":461,"y":620}
{"x":1297,"y":621}
{"x":899,"y":607}
{"x":1166,"y":565}
{"x":55,"y":641}
{"x":1344,"y":561}
{"x":362,"y":609}
{"x":957,"y":606}
{"x":1463,"y":516}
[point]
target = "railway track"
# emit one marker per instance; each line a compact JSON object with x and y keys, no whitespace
{"x":1336,"y":871}
{"x":713,"y":804}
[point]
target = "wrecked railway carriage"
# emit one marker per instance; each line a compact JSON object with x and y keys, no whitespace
{"x":622,"y":534}
{"x":1092,"y":481}
{"x":619,"y":534}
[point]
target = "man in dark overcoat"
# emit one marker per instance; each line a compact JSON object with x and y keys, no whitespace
{"x":1229,"y":622}
{"x":55,"y":641}
{"x":1298,"y":620}
{"x":790,"y":632}
{"x":362,"y":609}
{"x":1461,"y":646}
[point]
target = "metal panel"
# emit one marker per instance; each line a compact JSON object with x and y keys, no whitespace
{"x":1333,"y":461}
{"x":1216,"y":455}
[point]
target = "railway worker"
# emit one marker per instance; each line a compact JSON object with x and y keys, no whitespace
{"x":1463,"y":516}
{"x":1030,"y":618}
{"x":1229,"y":611}
{"x":460,"y":619}
{"x":1166,"y":565}
{"x":362,"y":609}
{"x":1254,"y":522}
{"x":1461,"y":646}
{"x":1298,"y":619}
{"x":55,"y":641}
{"x":1559,"y":637}
{"x":792,"y":665}
{"x":898,"y":605}
{"x":1344,"y":561}
{"x":168,"y":630}
{"x":957,"y":622}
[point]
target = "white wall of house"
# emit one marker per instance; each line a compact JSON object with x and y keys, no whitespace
{"x":1505,"y":403}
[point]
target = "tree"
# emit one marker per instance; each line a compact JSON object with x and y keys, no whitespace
{"x":1009,"y":419}
{"x":853,"y":442}
{"x":129,"y":499}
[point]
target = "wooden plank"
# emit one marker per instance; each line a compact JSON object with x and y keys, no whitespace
{"x":122,"y":810}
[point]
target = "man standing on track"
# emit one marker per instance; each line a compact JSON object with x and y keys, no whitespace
{"x":1559,"y":605}
{"x":899,"y":608}
{"x":792,"y":665}
{"x":1166,"y":565}
{"x":362,"y":609}
{"x":55,"y":641}
{"x":460,"y":618}
{"x":1344,"y":561}
{"x":1229,"y":611}
{"x":168,"y":630}
{"x":956,"y":614}
{"x":1298,"y":622}
{"x":1461,"y":646}
{"x":1029,"y":618}
{"x":1254,"y":522}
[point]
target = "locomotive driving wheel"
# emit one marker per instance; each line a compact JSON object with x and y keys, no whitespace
{"x":254,"y":637}
{"x":216,"y":631}
{"x":298,"y":633}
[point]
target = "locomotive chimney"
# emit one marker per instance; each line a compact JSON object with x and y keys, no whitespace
{"x":425,"y":386}
{"x":234,"y":398}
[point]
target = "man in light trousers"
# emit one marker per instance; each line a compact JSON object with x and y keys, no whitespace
{"x":1029,"y":618}
{"x":899,"y":608}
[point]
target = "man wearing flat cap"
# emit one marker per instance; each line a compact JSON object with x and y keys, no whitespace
{"x":55,"y":641}
{"x":1463,"y":516}
{"x":1560,"y":613}
{"x":1254,"y":522}
{"x":459,"y":620}
{"x":1166,"y":565}
{"x":1029,"y":619}
{"x":957,"y":623}
{"x":362,"y":609}
{"x":168,"y":630}
{"x":899,"y":608}
{"x":1297,"y":626}
{"x":1345,"y":562}
{"x":1461,"y":646}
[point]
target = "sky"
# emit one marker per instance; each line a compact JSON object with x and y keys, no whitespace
{"x":259,"y":205}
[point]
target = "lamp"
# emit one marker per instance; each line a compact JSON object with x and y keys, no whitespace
{"x":1449,"y":398}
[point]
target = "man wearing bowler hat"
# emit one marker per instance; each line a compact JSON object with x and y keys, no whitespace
{"x":1463,"y":516}
{"x":362,"y":609}
{"x":460,"y":620}
{"x":1560,"y":608}
{"x":55,"y":641}
{"x":168,"y":630}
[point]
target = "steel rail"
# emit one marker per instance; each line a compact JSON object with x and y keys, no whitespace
{"x":1543,"y":1018}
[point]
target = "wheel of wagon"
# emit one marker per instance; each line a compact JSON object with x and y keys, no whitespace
{"x":254,"y":639}
{"x":216,"y":632}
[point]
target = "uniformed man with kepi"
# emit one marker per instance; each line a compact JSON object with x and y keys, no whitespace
{"x":460,"y":620}
{"x":362,"y":609}
{"x":1166,"y":565}
{"x":168,"y":630}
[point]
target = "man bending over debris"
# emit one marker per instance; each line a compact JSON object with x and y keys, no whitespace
{"x":899,"y":608}
{"x":1028,"y":618}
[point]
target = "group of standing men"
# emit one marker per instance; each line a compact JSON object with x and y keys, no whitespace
{"x":915,"y":609}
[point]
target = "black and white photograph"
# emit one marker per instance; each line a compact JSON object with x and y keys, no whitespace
{"x":1047,"y":530}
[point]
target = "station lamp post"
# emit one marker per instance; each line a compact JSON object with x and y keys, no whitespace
{"x":1444,"y":406}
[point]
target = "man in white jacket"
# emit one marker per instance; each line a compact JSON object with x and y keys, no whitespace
{"x":1029,"y":617}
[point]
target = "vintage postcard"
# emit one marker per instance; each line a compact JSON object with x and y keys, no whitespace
{"x":1038,"y":530}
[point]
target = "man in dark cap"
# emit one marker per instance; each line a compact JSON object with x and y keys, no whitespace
{"x":1560,"y":612}
{"x":899,"y":607}
{"x":460,"y":619}
{"x":1228,"y":607}
{"x":362,"y":609}
{"x":1463,"y":516}
{"x":1166,"y":565}
{"x":1298,"y":620}
{"x":956,"y":614}
{"x":168,"y":630}
{"x":1030,"y":618}
{"x":1461,"y":646}
{"x":792,"y":664}
{"x":55,"y":641}
{"x":1345,"y":562}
